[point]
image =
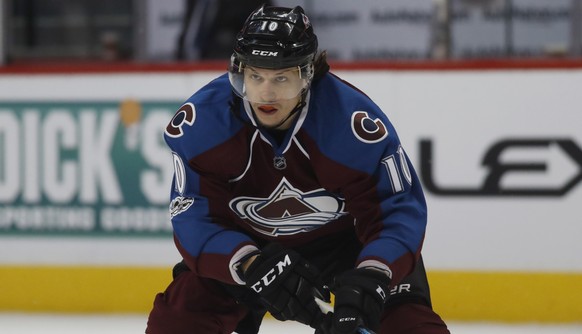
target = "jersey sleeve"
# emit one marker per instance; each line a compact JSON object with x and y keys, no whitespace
{"x":209,"y":245}
{"x":209,"y":248}
{"x":392,"y":219}
{"x":384,"y":195}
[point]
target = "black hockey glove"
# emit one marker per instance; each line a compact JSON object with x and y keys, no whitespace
{"x":287,"y":284}
{"x":360,"y":295}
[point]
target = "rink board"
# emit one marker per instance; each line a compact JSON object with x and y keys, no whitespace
{"x":457,"y":296}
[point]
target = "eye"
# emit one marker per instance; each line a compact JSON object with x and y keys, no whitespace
{"x":280,"y":79}
{"x":255,"y":77}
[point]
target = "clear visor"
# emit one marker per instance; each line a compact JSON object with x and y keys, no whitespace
{"x":261,"y":85}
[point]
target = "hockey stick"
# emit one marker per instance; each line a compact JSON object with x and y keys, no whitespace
{"x":327,"y":308}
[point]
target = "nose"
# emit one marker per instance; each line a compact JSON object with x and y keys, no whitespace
{"x":268,"y":92}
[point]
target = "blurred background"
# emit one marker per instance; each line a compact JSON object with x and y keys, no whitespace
{"x":151,"y":31}
{"x":485,"y":95}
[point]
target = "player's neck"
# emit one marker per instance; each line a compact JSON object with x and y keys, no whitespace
{"x":278,"y":134}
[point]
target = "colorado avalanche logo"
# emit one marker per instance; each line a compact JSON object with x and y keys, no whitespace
{"x":288,"y":210}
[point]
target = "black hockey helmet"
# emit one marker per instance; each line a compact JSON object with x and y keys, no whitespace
{"x":276,"y":37}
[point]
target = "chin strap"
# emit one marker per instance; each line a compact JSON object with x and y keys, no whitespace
{"x":297,"y":108}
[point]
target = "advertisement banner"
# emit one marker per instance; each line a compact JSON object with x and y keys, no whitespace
{"x":84,"y":168}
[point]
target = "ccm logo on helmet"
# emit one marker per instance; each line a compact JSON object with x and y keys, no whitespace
{"x":265,"y":53}
{"x":272,"y":274}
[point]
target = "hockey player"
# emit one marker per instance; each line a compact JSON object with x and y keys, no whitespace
{"x":289,"y":182}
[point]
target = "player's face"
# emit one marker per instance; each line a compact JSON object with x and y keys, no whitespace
{"x":273,"y":94}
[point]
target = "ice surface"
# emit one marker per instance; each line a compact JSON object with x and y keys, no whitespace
{"x":21,"y":323}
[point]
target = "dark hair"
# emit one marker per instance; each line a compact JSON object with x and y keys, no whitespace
{"x":320,"y":65}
